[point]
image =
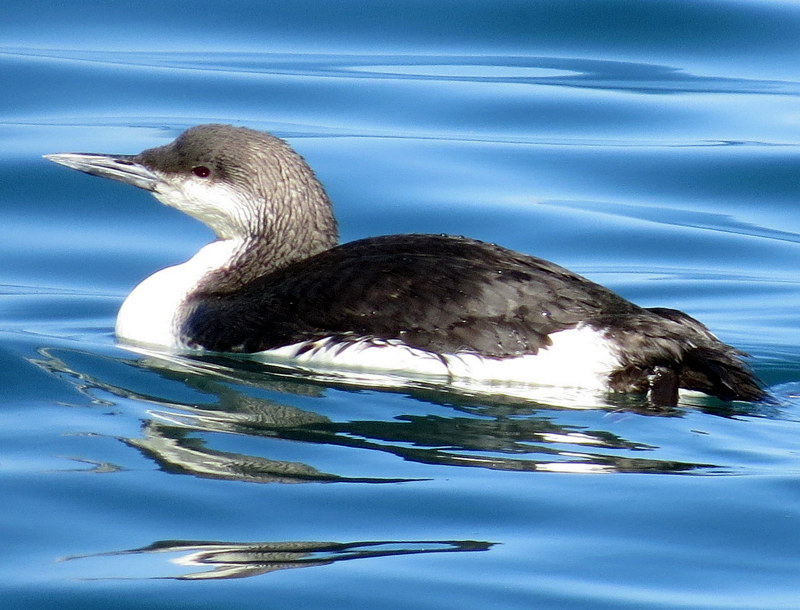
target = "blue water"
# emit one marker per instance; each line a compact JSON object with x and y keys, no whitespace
{"x":652,"y":146}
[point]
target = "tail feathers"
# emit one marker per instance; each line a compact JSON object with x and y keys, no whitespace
{"x":719,"y":371}
{"x":670,"y":340}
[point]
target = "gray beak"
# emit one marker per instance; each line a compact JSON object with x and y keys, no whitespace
{"x":122,"y":168}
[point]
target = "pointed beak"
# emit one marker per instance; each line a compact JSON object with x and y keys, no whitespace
{"x":122,"y":168}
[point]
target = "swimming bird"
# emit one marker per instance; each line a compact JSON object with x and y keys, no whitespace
{"x":275,"y":282}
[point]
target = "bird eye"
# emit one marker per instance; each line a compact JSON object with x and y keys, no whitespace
{"x":201,"y":171}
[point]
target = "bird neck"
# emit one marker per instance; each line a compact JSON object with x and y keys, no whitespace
{"x":238,"y":261}
{"x":284,"y":225}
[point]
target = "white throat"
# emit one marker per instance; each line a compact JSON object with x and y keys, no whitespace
{"x":149,"y":316}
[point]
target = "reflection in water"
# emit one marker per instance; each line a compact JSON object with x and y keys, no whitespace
{"x":180,"y":434}
{"x":176,"y":451}
{"x":244,"y":559}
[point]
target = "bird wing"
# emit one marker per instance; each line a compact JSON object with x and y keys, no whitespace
{"x":438,"y":293}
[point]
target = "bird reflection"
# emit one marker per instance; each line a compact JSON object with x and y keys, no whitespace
{"x":180,"y":434}
{"x":175,"y":450}
{"x":222,"y":560}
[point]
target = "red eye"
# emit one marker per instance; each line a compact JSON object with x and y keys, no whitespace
{"x":201,"y":171}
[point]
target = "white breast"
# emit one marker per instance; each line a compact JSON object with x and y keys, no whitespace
{"x":148,"y":315}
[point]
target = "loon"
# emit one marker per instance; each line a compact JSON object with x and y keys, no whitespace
{"x":276,"y":282}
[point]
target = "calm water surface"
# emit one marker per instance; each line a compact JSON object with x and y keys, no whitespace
{"x":652,"y":146}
